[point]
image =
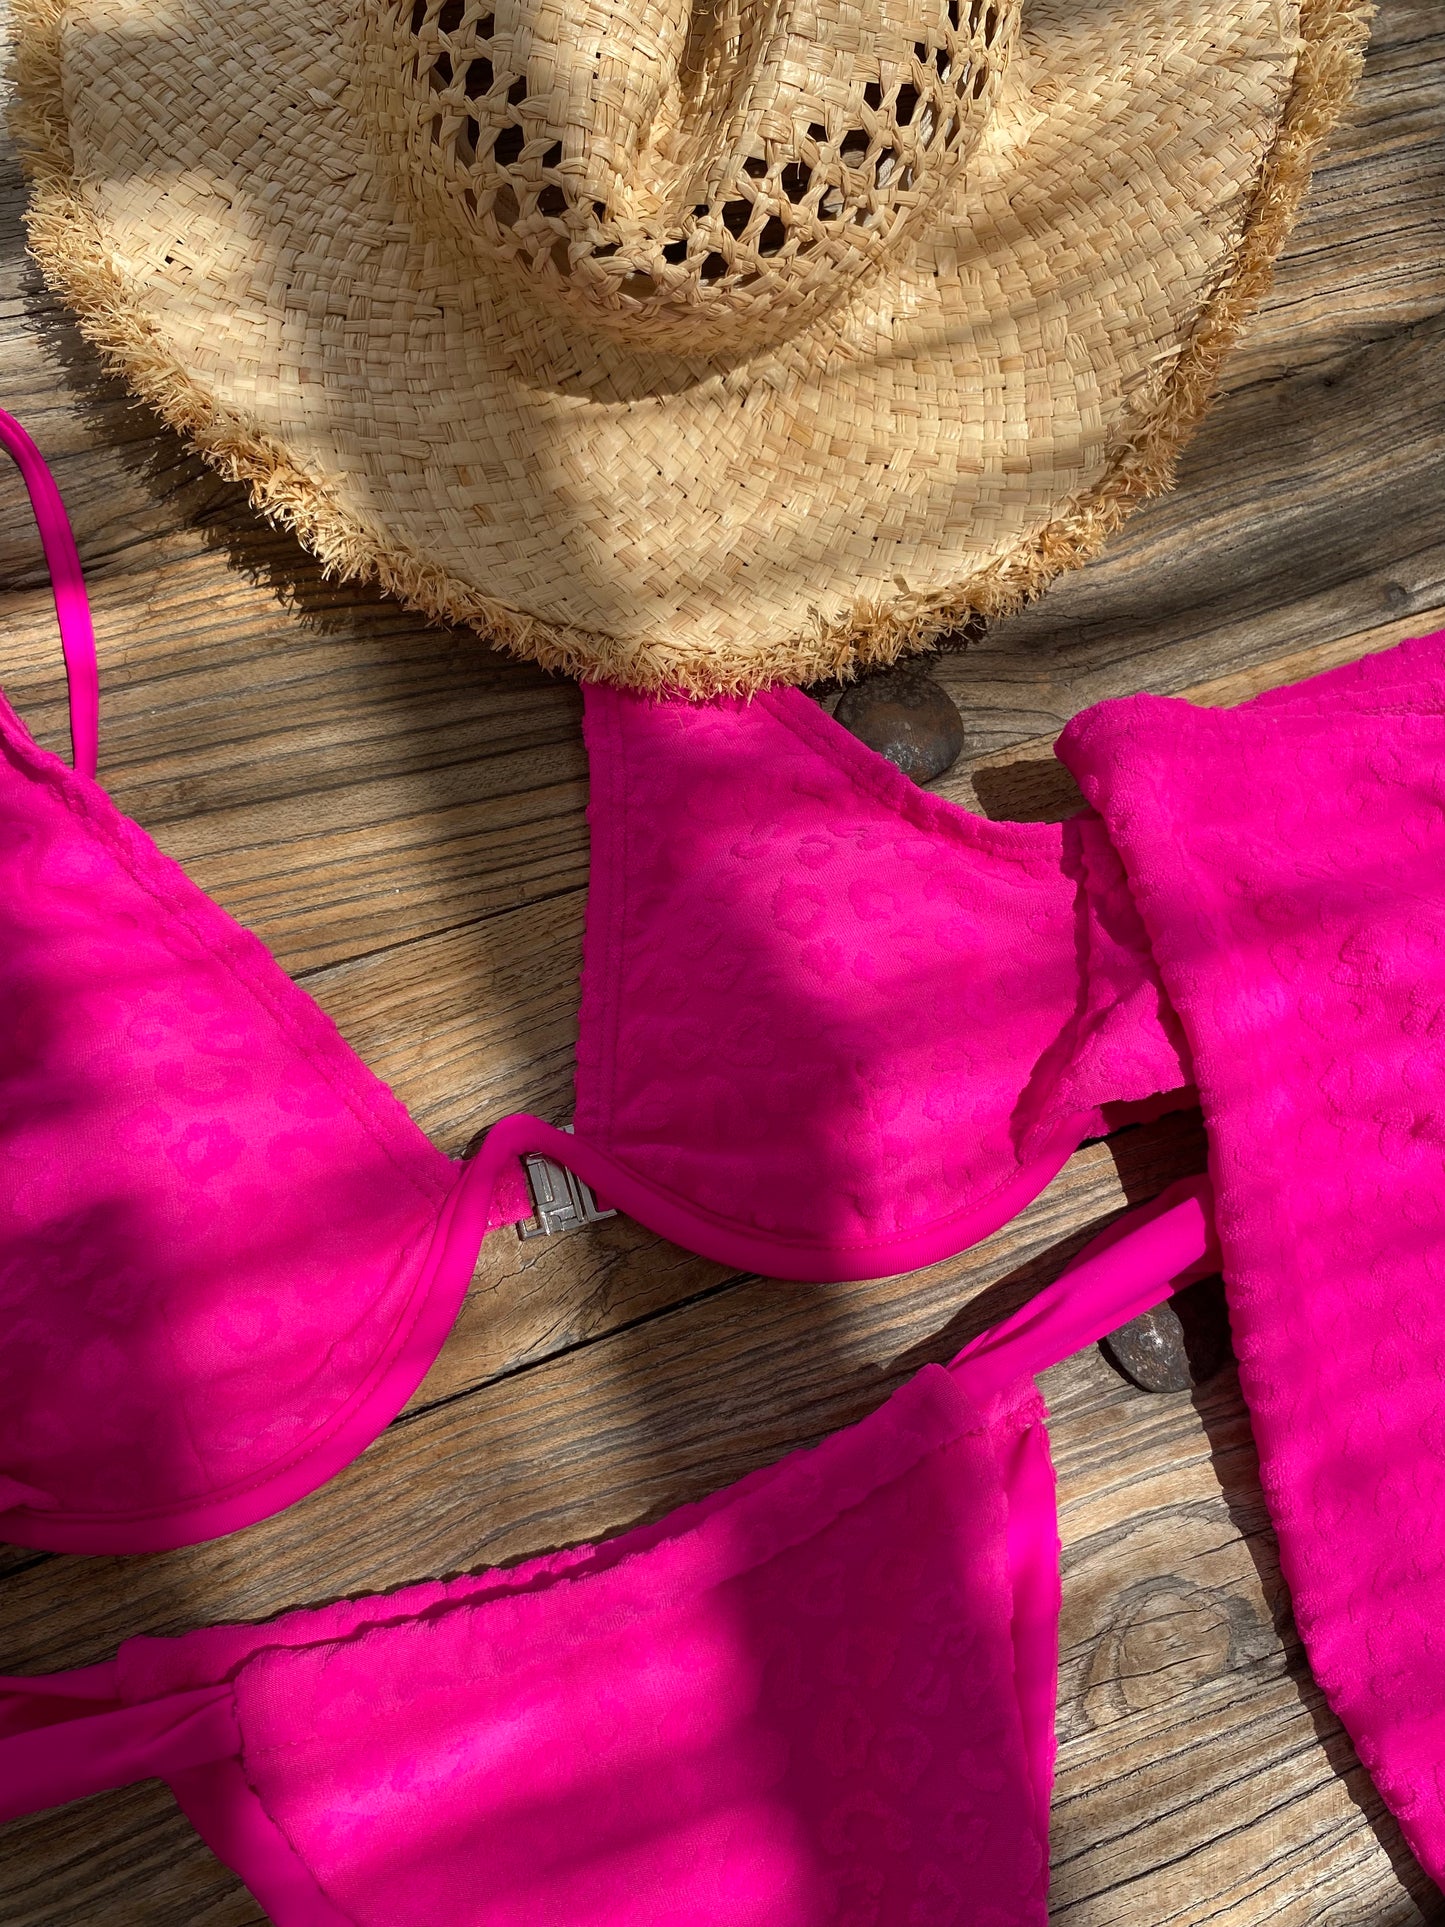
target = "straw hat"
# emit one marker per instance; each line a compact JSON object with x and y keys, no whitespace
{"x":693,"y":342}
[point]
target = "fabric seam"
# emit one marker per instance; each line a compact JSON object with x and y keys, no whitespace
{"x":874,"y":777}
{"x":790,"y":1243}
{"x":980,"y":1427}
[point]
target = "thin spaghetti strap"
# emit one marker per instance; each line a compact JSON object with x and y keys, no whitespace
{"x":1137,"y":1263}
{"x":72,"y":609}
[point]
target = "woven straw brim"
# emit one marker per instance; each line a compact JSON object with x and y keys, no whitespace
{"x":214,"y":196}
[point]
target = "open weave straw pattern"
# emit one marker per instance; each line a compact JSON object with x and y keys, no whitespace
{"x":281,"y":221}
{"x":722,"y":211}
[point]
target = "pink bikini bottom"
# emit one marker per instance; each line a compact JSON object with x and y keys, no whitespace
{"x":823,"y":1695}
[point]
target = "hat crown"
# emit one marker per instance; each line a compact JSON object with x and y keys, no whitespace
{"x":699,"y":174}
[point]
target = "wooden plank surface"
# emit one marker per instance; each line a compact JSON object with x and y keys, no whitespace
{"x":398,"y":813}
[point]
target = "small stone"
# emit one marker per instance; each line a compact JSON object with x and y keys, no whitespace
{"x":1180,"y":1343}
{"x":905,"y":716}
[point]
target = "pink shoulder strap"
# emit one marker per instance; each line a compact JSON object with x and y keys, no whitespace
{"x":1136,"y":1264}
{"x":72,"y":610}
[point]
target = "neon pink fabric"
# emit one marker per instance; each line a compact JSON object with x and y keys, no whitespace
{"x":830,"y":1028}
{"x":1288,"y":860}
{"x":227,"y":1256}
{"x":67,"y":585}
{"x":824,"y":1695}
{"x":846,"y":1025}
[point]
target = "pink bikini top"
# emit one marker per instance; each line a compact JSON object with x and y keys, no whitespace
{"x":831,"y":1027}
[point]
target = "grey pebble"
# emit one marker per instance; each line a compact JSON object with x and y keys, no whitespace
{"x":907,"y":717}
{"x":1180,"y":1343}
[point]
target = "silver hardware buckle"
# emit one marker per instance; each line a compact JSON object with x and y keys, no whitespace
{"x":561,"y":1201}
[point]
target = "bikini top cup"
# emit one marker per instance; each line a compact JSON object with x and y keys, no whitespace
{"x":830,"y":1028}
{"x":838,"y":1026}
{"x":227,"y":1256}
{"x":821,"y":1698}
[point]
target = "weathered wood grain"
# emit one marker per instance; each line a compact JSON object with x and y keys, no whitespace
{"x":398,"y":812}
{"x":1201,"y":1778}
{"x":1307,"y":512}
{"x":1364,"y":260}
{"x":471,"y":1023}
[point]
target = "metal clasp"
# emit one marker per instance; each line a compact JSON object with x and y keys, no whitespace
{"x":560,"y":1199}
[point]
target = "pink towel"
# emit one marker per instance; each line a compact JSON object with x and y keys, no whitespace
{"x":1288,"y":860}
